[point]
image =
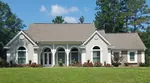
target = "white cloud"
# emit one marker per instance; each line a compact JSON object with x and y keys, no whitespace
{"x":70,"y":19}
{"x":73,"y":9}
{"x":86,"y":9}
{"x":43,"y":9}
{"x":57,"y":10}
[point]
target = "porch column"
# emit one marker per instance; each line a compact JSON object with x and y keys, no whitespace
{"x":67,"y":52}
{"x":53,"y":57}
{"x":143,"y":57}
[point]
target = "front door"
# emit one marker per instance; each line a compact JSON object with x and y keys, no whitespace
{"x":47,"y":59}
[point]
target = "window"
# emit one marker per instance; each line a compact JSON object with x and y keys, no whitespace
{"x":61,"y":55}
{"x":132,"y":56}
{"x":116,"y":56}
{"x":21,"y":55}
{"x":96,"y":54}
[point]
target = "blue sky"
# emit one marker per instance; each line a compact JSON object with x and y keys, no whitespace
{"x":43,"y":11}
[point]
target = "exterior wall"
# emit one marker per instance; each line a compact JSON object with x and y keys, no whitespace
{"x":83,"y":56}
{"x":124,"y":54}
{"x":14,"y":47}
{"x":140,"y":57}
{"x":85,"y":53}
{"x":103,"y":49}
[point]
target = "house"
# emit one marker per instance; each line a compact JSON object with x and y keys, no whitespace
{"x":47,"y":44}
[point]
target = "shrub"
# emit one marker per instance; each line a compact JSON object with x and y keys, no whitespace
{"x":90,"y":64}
{"x":143,"y":65}
{"x":116,"y":64}
{"x":79,"y":64}
{"x":97,"y":64}
{"x":108,"y":65}
{"x":1,"y":62}
{"x":60,"y":63}
{"x":33,"y":65}
{"x":74,"y":61}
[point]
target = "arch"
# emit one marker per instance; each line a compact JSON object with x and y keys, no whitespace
{"x":46,"y":56}
{"x":60,"y":47}
{"x":96,"y":47}
{"x":75,"y":47}
{"x":60,"y":55}
{"x":22,"y":54}
{"x":45,"y":48}
{"x":96,"y":54}
{"x":21,"y":48}
{"x":74,"y":55}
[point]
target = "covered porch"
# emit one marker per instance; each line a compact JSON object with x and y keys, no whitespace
{"x":51,"y":57}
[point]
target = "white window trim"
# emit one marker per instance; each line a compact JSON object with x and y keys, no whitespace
{"x":25,"y":55}
{"x":100,"y":54}
{"x":135,"y":61}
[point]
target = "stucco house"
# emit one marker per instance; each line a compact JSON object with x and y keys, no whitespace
{"x":46,"y":44}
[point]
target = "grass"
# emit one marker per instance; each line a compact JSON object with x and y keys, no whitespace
{"x":74,"y":75}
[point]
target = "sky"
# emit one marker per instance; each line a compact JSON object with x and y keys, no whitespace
{"x":43,"y":11}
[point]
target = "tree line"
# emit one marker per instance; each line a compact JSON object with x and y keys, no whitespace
{"x":113,"y":16}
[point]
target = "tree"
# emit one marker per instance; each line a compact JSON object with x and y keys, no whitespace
{"x":109,"y":16}
{"x":58,"y":20}
{"x":10,"y":24}
{"x":145,"y":36}
{"x":121,"y":15}
{"x":138,"y":10}
{"x":81,"y":19}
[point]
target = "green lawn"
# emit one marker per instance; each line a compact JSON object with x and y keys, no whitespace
{"x":74,"y":75}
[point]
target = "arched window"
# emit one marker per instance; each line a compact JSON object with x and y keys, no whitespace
{"x":47,"y":50}
{"x":21,"y":55}
{"x":96,"y":54}
{"x":74,"y":55}
{"x":61,"y":55}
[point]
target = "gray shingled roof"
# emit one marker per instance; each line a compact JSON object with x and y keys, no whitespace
{"x":80,"y":32}
{"x":125,"y":41}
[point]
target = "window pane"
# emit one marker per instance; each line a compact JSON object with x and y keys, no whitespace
{"x":50,"y":58}
{"x":45,"y":58}
{"x":74,"y":56}
{"x":21,"y":54}
{"x":132,"y":56}
{"x":21,"y":60}
{"x":21,"y":57}
{"x":61,"y":56}
{"x":116,"y":56}
{"x":96,"y":56}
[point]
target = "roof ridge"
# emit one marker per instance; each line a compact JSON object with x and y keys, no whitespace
{"x":122,"y":33}
{"x":62,"y":23}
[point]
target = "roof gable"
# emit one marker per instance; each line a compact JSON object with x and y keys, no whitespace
{"x":21,"y":32}
{"x":103,"y":38}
